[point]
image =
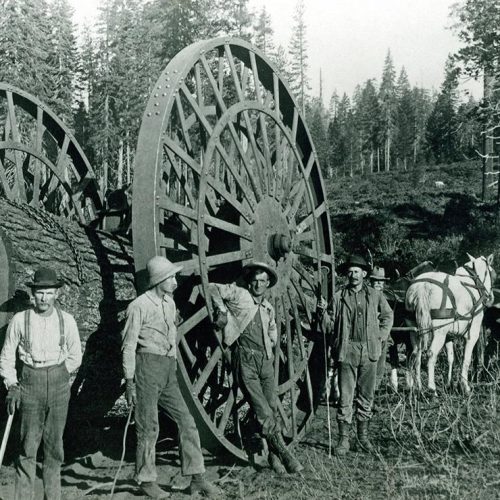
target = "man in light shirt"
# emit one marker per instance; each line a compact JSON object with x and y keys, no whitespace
{"x":248,"y":322}
{"x":45,"y":339}
{"x":149,"y":353}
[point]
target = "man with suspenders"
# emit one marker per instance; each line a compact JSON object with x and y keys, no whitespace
{"x":45,"y":340}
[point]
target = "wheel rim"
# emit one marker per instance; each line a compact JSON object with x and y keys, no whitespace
{"x":41,"y":162}
{"x":229,"y":163}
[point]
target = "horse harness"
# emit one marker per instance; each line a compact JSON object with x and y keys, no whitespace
{"x":478,"y":304}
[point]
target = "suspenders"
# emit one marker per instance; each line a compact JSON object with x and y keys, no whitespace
{"x":27,"y":331}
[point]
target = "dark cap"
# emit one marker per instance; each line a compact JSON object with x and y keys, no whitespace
{"x":45,"y":278}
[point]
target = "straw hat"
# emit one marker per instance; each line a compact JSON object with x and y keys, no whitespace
{"x":45,"y":278}
{"x":261,"y":266}
{"x":159,"y":269}
{"x":378,"y":274}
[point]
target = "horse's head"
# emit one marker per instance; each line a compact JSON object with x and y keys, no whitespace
{"x":482,"y":267}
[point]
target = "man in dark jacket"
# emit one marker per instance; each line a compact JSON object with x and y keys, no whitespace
{"x":362,"y":320}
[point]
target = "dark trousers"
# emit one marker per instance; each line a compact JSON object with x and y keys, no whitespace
{"x":357,"y":375}
{"x":44,"y":407}
{"x":156,"y":383}
{"x":256,"y":375}
{"x":381,"y":364}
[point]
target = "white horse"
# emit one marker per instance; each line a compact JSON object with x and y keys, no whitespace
{"x":449,"y":305}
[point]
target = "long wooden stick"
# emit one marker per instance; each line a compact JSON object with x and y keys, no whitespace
{"x":6,"y":437}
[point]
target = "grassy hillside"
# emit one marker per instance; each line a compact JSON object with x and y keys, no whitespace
{"x":404,"y":218}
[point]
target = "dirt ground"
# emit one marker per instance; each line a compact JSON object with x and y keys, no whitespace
{"x":436,"y":449}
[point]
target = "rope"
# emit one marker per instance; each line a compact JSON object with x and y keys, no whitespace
{"x":327,"y":397}
{"x":122,"y":459}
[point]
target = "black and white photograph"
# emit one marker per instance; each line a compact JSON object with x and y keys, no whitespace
{"x":248,"y":249}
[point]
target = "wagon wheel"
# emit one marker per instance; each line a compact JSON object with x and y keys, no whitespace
{"x":40,"y":161}
{"x":226,"y":173}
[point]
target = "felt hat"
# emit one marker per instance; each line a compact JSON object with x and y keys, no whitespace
{"x":45,"y":277}
{"x":378,"y":274}
{"x":159,"y":269}
{"x":354,"y":261}
{"x":261,"y":266}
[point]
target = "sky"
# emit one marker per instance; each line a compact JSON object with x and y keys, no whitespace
{"x":348,"y":40}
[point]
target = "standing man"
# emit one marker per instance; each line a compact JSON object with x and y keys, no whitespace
{"x":45,"y":339}
{"x":247,"y":318}
{"x":377,"y":281}
{"x":149,"y":361}
{"x":362,"y":320}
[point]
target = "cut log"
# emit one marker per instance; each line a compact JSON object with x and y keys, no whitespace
{"x":98,"y":275}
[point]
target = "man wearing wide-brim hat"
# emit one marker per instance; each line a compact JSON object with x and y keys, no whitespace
{"x":248,"y":322}
{"x":361,"y":320}
{"x":45,"y":340}
{"x":378,"y":280}
{"x":149,"y":353}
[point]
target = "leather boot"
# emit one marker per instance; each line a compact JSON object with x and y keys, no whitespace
{"x":275,"y":463}
{"x":278,"y":446}
{"x":363,"y":440}
{"x":199,"y":484}
{"x":152,"y":490}
{"x":343,"y":444}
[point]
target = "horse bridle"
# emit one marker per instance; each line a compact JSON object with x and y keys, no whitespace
{"x":485,"y":296}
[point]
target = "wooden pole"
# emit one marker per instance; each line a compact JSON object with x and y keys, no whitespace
{"x":6,"y":437}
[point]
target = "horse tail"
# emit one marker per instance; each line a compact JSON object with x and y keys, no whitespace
{"x":418,"y":299}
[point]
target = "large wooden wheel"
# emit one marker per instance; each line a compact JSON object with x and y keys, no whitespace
{"x":40,"y":161}
{"x":226,"y":173}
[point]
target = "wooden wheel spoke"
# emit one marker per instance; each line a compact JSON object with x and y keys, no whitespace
{"x":256,"y":81}
{"x":230,"y":165}
{"x":299,"y":189}
{"x":216,"y":185}
{"x":228,"y":227}
{"x":207,"y":370}
{"x":5,"y":183}
{"x":182,"y":119}
{"x":181,"y":177}
{"x":304,"y":302}
{"x":311,"y":218}
{"x":228,"y":409}
{"x":226,"y":258}
{"x":14,"y":130}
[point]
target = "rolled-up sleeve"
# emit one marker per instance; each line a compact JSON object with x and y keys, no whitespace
{"x":9,"y":350}
{"x":73,"y":344}
{"x":130,"y":336}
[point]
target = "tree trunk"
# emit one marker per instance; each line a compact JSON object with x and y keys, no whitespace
{"x":98,"y":275}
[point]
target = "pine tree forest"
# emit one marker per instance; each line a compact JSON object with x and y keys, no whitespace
{"x":99,"y":84}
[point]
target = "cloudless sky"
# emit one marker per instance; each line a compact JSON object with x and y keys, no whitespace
{"x":349,"y":39}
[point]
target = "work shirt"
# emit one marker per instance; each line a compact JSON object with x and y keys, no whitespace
{"x":242,"y":307}
{"x":150,"y":328}
{"x":356,"y":304}
{"x":45,"y":344}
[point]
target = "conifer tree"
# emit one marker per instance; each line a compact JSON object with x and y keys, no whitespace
{"x":405,"y":120}
{"x":62,"y":59}
{"x":442,"y":122}
{"x":25,"y":46}
{"x":387,"y":97}
{"x":299,"y":80}
{"x":264,"y":32}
